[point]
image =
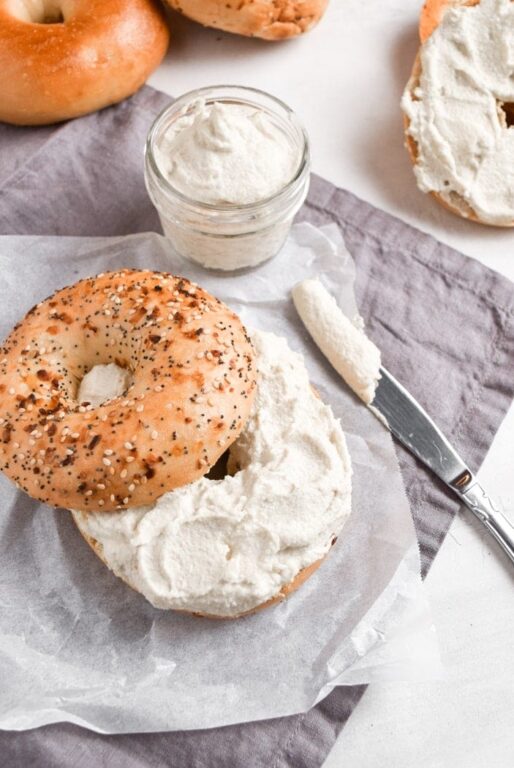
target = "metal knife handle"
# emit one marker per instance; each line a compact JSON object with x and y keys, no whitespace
{"x":495,"y":521}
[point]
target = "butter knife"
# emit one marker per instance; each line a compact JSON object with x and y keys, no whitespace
{"x":408,"y":422}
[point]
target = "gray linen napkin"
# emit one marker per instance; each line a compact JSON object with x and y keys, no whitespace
{"x":443,"y":321}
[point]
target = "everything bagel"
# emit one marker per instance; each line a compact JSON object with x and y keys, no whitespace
{"x":189,"y":392}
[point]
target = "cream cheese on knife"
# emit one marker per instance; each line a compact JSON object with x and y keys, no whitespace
{"x":348,"y":349}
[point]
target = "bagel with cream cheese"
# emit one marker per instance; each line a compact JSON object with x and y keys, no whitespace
{"x":180,"y":380}
{"x":118,"y":395}
{"x":226,"y":547}
{"x":458,"y":109}
{"x":268,"y":19}
{"x":64,"y":58}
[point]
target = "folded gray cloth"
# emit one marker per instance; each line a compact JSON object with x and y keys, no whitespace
{"x":443,"y":321}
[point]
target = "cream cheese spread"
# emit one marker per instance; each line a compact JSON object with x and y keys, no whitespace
{"x":456,"y":113}
{"x":347,"y":348}
{"x":223,"y":153}
{"x":223,"y":547}
{"x":102,"y":383}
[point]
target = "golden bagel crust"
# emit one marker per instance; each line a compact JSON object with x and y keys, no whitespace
{"x":431,"y":16}
{"x":193,"y":385}
{"x":268,"y":19}
{"x":102,"y":52}
{"x":432,"y":13}
{"x":286,"y":590}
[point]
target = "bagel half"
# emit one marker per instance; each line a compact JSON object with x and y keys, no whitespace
{"x":431,"y":16}
{"x":192,"y":388}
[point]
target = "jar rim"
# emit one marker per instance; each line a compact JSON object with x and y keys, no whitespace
{"x":198,"y":93}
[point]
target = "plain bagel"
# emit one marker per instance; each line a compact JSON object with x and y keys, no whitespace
{"x":192,"y":388}
{"x":268,"y":19}
{"x":64,"y":58}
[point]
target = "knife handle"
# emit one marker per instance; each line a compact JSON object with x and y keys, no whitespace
{"x":495,"y":521}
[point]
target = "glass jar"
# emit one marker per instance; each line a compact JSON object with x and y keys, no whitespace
{"x":228,"y":236}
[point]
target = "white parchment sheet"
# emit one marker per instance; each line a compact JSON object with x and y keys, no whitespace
{"x":78,"y":645}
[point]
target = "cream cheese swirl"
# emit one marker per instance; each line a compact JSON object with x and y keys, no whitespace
{"x":227,"y":154}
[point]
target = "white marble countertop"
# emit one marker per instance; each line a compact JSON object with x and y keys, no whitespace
{"x":345,"y":80}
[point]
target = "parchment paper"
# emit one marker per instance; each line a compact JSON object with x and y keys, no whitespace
{"x":77,"y":645}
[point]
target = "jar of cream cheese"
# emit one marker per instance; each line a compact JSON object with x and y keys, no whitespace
{"x":227,"y":169}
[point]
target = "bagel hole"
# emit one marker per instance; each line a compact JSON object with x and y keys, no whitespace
{"x":506,"y":113}
{"x":53,"y":18}
{"x":37,"y":11}
{"x":102,"y":383}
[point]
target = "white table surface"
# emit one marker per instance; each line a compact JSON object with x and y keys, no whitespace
{"x":345,"y":80}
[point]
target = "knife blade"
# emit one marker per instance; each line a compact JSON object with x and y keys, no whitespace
{"x":413,"y":427}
